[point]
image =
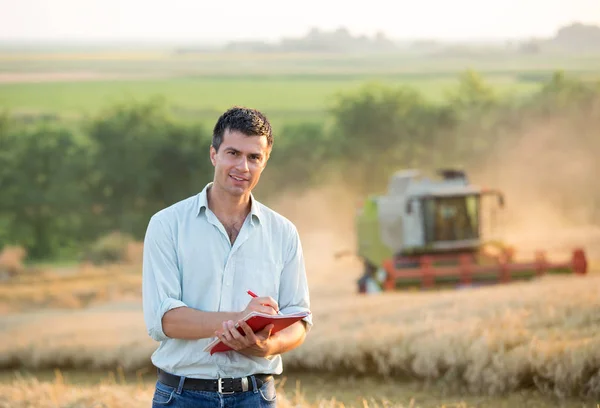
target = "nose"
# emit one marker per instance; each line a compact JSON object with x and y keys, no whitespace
{"x":242,"y":164}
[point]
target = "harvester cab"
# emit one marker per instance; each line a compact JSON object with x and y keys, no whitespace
{"x":428,"y":232}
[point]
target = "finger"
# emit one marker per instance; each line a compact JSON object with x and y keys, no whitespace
{"x":235,"y":337}
{"x":265,"y":333}
{"x":232,"y":336}
{"x":226,"y":331}
{"x":244,"y":340}
{"x":266,"y":310}
{"x":250,"y":336}
{"x":222,"y":338}
{"x":269,"y":301}
{"x":265,"y":301}
{"x":256,"y":307}
{"x":235,"y":334}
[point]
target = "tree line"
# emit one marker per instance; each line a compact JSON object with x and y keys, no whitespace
{"x":63,"y":186}
{"x":574,"y":37}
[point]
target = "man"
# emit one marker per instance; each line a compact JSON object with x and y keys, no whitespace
{"x":201,"y":257}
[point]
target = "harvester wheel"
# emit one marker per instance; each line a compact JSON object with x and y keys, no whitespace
{"x":370,"y":281}
{"x":579,"y":260}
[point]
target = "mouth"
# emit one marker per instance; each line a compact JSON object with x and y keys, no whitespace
{"x":236,"y":178}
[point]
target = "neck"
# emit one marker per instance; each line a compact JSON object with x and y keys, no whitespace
{"x":226,"y":205}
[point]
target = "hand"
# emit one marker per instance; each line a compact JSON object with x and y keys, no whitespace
{"x":254,"y":344}
{"x":265,"y":304}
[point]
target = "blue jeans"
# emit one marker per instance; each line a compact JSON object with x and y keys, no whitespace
{"x":166,"y":396}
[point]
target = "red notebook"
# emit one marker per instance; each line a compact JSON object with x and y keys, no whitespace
{"x":258,"y":321}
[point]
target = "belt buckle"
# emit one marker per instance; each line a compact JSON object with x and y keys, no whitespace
{"x":220,"y":386}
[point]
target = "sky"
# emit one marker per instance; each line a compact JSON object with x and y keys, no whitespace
{"x":217,"y":21}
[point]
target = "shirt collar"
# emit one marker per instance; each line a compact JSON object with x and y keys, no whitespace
{"x":203,"y":203}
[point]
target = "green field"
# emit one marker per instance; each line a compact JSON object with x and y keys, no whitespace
{"x":411,"y":62}
{"x":286,"y":86}
{"x":203,"y":98}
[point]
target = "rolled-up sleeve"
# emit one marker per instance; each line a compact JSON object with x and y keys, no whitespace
{"x":161,"y":278}
{"x":294,"y":294}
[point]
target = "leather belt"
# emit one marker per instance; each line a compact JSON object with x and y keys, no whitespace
{"x":221,"y":385}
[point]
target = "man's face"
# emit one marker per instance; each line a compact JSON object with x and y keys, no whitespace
{"x":239,"y":162}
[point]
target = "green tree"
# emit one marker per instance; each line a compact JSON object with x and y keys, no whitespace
{"x":475,"y":107}
{"x":44,"y":187}
{"x":379,"y":129}
{"x":298,"y":159}
{"x":143,"y":162}
{"x":472,"y":95}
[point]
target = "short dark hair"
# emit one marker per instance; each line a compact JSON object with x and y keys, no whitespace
{"x":248,"y":121}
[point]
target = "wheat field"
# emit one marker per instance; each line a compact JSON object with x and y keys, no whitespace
{"x":543,"y":334}
{"x":481,"y":344}
{"x":29,"y":394}
{"x":114,"y":391}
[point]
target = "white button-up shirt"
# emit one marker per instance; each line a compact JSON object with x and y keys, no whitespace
{"x":189,"y":261}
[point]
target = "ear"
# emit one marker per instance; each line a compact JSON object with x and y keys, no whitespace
{"x":213,"y":155}
{"x":267,"y":156}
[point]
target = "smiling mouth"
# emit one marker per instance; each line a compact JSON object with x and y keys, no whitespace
{"x":237,"y":178}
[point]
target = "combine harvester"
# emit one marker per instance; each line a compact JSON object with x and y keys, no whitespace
{"x":427,"y":234}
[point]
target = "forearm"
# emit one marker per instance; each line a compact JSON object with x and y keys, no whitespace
{"x":191,"y":324}
{"x":288,"y":338}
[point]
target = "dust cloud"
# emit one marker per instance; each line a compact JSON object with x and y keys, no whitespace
{"x":324,"y":217}
{"x":548,"y":174}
